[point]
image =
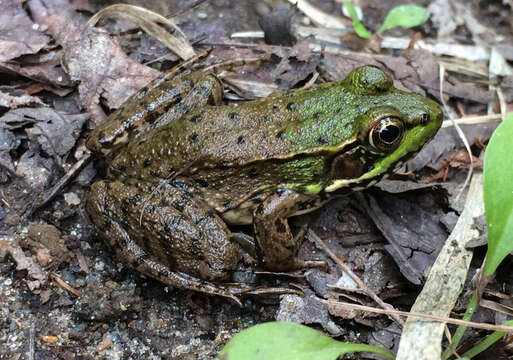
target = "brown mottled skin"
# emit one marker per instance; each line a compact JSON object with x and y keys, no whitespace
{"x":185,"y":167}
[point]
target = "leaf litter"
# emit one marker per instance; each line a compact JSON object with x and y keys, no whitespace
{"x":88,"y":69}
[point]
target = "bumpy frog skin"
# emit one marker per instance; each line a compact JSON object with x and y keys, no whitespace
{"x":184,"y":167}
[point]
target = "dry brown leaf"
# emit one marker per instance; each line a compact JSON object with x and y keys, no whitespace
{"x":148,"y":21}
{"x":20,"y":35}
{"x":12,"y":98}
{"x":91,"y":57}
{"x":35,"y":272}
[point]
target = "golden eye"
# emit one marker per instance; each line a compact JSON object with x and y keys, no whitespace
{"x":386,"y":133}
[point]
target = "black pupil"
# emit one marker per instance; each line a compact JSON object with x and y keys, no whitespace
{"x":389,"y":133}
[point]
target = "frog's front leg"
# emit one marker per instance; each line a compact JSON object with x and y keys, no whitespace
{"x":275,"y":241}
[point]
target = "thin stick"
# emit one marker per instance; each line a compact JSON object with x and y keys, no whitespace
{"x":63,"y":181}
{"x":471,"y":120}
{"x":459,"y":131}
{"x":476,"y":325}
{"x":355,"y":278}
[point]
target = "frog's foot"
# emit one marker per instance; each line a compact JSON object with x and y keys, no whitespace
{"x":273,"y":234}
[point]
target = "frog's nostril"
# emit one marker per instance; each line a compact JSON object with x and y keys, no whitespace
{"x":424,"y":119}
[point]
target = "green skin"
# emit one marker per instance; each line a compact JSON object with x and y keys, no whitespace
{"x":184,"y":167}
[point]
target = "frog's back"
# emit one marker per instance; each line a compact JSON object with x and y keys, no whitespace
{"x":224,"y":136}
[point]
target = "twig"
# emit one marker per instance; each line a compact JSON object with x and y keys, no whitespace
{"x":471,"y":120}
{"x":31,"y":340}
{"x":459,"y":131}
{"x":333,"y":303}
{"x":63,"y":181}
{"x":63,"y":285}
{"x":354,"y":277}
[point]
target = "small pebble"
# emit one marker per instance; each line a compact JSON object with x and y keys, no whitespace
{"x":99,"y":266}
{"x":201,"y":14}
{"x":71,"y":198}
{"x":49,"y":339}
{"x":104,"y":344}
{"x":43,"y":258}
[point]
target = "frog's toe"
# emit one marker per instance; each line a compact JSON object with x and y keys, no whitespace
{"x":185,"y":281}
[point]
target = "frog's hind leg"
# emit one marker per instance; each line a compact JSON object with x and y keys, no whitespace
{"x":167,"y":234}
{"x":147,"y":265}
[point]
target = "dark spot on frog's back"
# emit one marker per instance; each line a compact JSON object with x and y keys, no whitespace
{"x":202,"y":183}
{"x":193,"y":138}
{"x":291,"y":106}
{"x":148,"y":161}
{"x":252,"y":172}
{"x":280,"y":226}
{"x":234,"y":116}
{"x":323,"y":140}
{"x":152,"y":116}
{"x":281,"y":135}
{"x":196,"y":118}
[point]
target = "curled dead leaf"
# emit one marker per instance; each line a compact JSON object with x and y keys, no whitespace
{"x":149,"y":22}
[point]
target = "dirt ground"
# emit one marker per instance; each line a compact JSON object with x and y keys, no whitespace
{"x":63,"y":294}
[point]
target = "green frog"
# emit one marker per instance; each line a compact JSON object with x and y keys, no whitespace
{"x":183,"y":168}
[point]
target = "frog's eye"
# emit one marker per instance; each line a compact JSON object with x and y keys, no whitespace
{"x":386,"y":133}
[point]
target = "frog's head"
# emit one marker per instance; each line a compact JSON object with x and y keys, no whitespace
{"x":392,"y":126}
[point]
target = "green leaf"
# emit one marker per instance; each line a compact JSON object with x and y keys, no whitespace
{"x":486,"y":343}
{"x":498,"y":194}
{"x":406,"y":16}
{"x":359,"y":28}
{"x":289,"y":341}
